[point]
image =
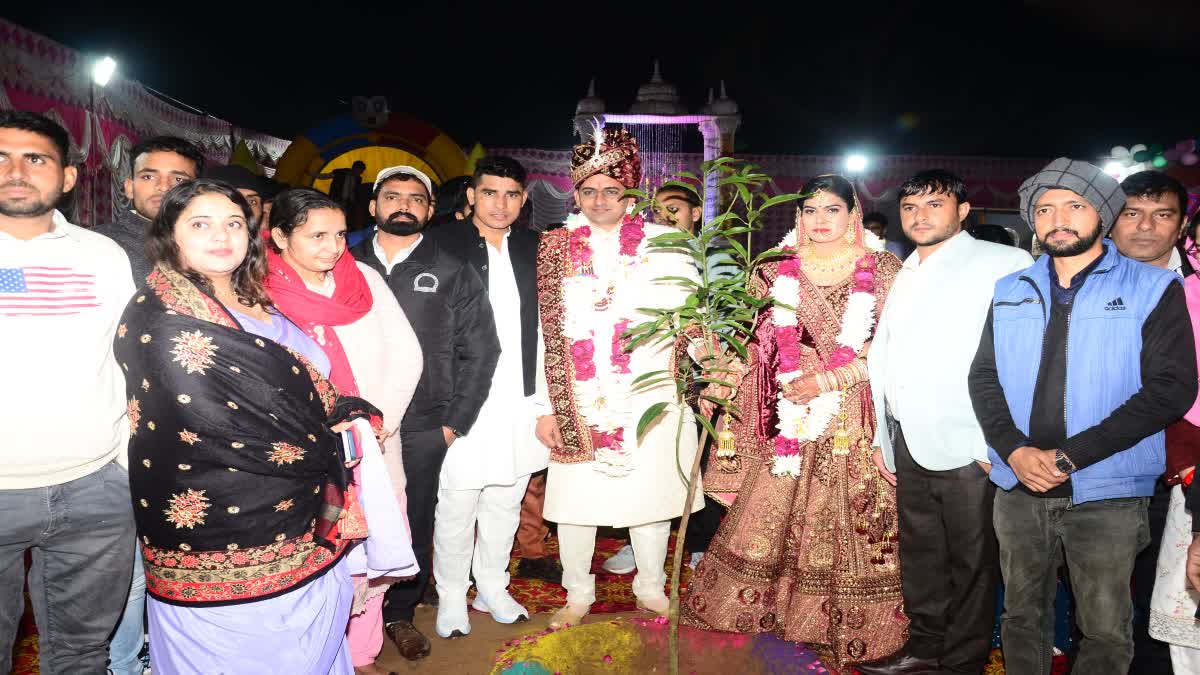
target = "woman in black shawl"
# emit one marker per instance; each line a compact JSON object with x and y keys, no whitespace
{"x":237,"y":478}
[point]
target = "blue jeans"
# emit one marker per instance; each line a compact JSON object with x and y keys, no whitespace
{"x":1099,"y":541}
{"x":131,"y":632}
{"x":78,"y":535}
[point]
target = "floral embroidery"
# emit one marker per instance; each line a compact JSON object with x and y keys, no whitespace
{"x":145,"y":385}
{"x":285,"y":453}
{"x":122,"y":330}
{"x":194,"y":351}
{"x":134,"y":410}
{"x":284,"y":505}
{"x":187,"y":509}
{"x":189,"y":437}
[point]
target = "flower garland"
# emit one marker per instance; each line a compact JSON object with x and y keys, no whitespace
{"x":602,"y":398}
{"x":804,"y":423}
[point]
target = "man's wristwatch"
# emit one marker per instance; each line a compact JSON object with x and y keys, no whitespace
{"x":1063,"y":462}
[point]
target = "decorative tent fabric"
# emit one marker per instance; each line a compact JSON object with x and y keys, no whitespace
{"x":41,"y":75}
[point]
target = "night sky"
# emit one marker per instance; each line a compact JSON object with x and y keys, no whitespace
{"x":1033,"y":78}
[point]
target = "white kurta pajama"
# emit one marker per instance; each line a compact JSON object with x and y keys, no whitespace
{"x":581,"y":496}
{"x":485,"y":473}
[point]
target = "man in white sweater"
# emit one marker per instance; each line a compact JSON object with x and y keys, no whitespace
{"x":928,"y":442}
{"x":63,"y":424}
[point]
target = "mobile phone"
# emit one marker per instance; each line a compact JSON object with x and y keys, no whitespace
{"x":350,"y":445}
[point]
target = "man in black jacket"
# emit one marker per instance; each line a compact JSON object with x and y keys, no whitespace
{"x":485,"y":475}
{"x":156,"y":165}
{"x":445,"y":301}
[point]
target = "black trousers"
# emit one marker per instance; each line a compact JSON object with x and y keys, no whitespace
{"x":423,"y":452}
{"x":1149,"y":655}
{"x":949,"y":565}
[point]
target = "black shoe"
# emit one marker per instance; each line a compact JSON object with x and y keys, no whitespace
{"x":546,"y":569}
{"x":899,"y":664}
{"x":430,"y":597}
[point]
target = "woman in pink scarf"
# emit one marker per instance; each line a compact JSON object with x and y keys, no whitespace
{"x":349,"y":311}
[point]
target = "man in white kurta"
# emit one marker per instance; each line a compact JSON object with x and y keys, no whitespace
{"x":486,"y":472}
{"x":593,"y":276}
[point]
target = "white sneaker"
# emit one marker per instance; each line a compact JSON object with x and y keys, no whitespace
{"x":695,"y":560}
{"x":622,"y":562}
{"x":452,"y":620}
{"x":502,"y":607}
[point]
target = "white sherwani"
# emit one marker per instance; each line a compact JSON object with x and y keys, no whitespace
{"x":579,"y":494}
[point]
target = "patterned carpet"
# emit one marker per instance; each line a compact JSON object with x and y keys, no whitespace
{"x":613,"y":595}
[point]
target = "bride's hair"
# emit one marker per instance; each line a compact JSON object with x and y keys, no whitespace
{"x":833,"y":183}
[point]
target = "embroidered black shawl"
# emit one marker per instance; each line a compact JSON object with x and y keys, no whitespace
{"x":236,"y":479}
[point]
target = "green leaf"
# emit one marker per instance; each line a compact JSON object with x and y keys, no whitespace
{"x":780,"y":199}
{"x":652,"y":413}
{"x":737,"y":345}
{"x":741,"y":250}
{"x":690,"y":283}
{"x":641,"y":206}
{"x":680,"y":185}
{"x":725,"y":403}
{"x":652,"y":373}
{"x":707,"y":425}
{"x":668,"y":237}
{"x":647,"y":384}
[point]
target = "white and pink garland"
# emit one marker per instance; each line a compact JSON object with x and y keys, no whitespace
{"x":804,"y":423}
{"x":602,"y":398}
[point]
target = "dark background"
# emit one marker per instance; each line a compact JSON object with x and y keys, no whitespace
{"x":1033,"y":78}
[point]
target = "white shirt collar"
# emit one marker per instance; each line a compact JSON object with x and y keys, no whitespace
{"x":60,"y":228}
{"x":1176,"y":262}
{"x":401,"y":255}
{"x":913,"y":261}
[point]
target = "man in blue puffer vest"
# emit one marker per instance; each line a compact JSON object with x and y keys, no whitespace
{"x":1085,"y":358}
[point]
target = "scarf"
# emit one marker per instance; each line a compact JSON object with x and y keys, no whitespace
{"x":236,"y":478}
{"x":317,"y":314}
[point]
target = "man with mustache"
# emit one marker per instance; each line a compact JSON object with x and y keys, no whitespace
{"x":485,"y":476}
{"x":927,"y":441}
{"x":156,"y":165}
{"x":446,"y":302}
{"x":1149,"y":230}
{"x":1076,"y":443}
{"x":63,"y":491}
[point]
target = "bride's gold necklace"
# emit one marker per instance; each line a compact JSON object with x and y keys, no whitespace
{"x":826,"y":264}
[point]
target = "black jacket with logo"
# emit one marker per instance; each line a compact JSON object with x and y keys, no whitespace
{"x":463,"y":239}
{"x":443,"y":298}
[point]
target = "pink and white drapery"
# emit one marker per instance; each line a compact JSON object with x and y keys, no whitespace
{"x":41,"y":75}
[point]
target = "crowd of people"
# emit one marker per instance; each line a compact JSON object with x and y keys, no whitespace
{"x":231,"y":430}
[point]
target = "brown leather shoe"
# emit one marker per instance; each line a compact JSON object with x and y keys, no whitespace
{"x":412,"y":644}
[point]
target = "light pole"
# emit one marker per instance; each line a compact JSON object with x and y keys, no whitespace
{"x":102,"y":72}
